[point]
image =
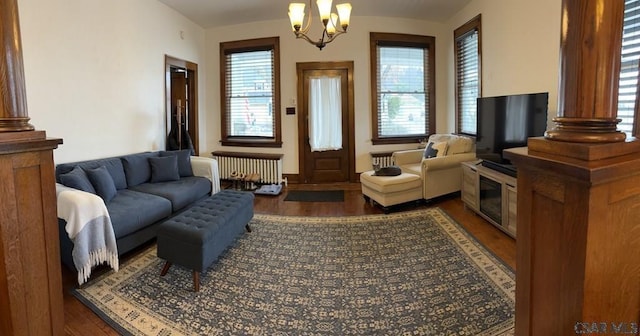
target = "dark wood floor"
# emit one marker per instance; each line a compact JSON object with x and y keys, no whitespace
{"x":79,"y":320}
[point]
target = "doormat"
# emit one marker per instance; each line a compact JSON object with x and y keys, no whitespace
{"x":315,"y":196}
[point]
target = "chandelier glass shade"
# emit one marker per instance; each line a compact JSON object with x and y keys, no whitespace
{"x":334,"y":24}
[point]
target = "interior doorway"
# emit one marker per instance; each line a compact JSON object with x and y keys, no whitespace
{"x":181,"y":80}
{"x":320,"y":161}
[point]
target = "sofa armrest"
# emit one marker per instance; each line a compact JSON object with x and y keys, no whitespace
{"x":446,"y":162}
{"x":73,"y":206}
{"x":89,"y":227}
{"x":207,"y":167}
{"x":401,"y":158}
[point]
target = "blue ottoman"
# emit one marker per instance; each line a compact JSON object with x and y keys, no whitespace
{"x":198,"y":236}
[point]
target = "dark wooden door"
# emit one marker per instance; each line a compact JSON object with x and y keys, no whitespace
{"x":182,"y":84}
{"x":179,"y":93}
{"x":329,"y":165}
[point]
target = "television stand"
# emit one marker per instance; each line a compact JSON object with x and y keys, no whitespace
{"x":507,"y":169}
{"x":491,"y":194}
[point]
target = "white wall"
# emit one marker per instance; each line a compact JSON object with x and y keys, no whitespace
{"x":520,"y":47}
{"x":95,"y":69}
{"x":353,"y":46}
{"x":95,"y":72}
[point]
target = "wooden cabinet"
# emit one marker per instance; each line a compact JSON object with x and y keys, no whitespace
{"x":30,"y":276}
{"x":491,"y":194}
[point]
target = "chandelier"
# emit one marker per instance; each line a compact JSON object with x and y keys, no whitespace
{"x":329,"y":21}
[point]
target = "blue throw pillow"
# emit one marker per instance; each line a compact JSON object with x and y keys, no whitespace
{"x":77,"y":179}
{"x":103,"y":183}
{"x":184,"y":161}
{"x":136,"y":168}
{"x":164,"y":169}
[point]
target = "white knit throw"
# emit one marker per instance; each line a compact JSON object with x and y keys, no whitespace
{"x":89,"y":228}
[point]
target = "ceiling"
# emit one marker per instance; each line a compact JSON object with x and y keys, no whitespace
{"x":216,"y":13}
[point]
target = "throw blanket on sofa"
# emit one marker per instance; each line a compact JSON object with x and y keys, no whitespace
{"x":89,"y":228}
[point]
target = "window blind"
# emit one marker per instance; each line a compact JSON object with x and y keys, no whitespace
{"x":402,"y":88}
{"x":467,"y":80}
{"x":250,"y":93}
{"x":629,"y":66}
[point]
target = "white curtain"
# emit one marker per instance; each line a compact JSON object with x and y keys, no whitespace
{"x":325,"y":114}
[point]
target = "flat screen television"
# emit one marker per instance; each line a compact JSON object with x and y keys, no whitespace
{"x":508,"y":121}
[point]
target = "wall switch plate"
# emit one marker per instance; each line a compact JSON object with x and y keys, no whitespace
{"x":291,"y":110}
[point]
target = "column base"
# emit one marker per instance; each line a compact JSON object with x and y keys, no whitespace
{"x":585,"y":130}
{"x":15,"y":125}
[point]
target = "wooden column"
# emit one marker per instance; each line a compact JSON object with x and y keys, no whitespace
{"x":30,"y":276}
{"x":591,"y":40}
{"x":578,"y":245}
{"x":13,"y":105}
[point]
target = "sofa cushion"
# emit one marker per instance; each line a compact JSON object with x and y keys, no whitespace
{"x":164,"y":169}
{"x":114,"y":166}
{"x":131,"y":211}
{"x":435,"y":149}
{"x":102,"y":182}
{"x":77,"y":178}
{"x":136,"y":167}
{"x":184,"y":161}
{"x":181,"y":193}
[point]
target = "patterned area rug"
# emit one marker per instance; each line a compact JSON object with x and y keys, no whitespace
{"x":410,"y":273}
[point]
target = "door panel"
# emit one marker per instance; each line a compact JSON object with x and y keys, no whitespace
{"x":328,"y":165}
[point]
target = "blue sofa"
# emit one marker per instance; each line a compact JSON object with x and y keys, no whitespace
{"x":142,"y":191}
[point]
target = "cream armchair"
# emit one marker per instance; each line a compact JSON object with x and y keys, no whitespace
{"x":442,"y":174}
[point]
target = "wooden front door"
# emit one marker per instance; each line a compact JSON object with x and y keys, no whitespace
{"x":322,"y":161}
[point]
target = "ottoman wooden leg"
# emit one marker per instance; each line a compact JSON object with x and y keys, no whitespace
{"x":196,"y":281}
{"x":248,"y":228}
{"x":165,"y":268}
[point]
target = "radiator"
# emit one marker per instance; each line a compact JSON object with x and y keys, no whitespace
{"x":269,"y":166}
{"x":384,"y":159}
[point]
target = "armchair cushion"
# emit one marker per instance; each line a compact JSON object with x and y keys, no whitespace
{"x":435,"y":149}
{"x":456,"y":144}
{"x":459,"y":144}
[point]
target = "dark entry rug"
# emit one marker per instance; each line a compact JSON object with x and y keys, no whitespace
{"x":410,"y":273}
{"x":315,"y":196}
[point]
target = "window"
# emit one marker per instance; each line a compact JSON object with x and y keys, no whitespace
{"x":402,"y":87}
{"x":250,"y":92}
{"x":467,"y":76}
{"x":629,"y":66}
